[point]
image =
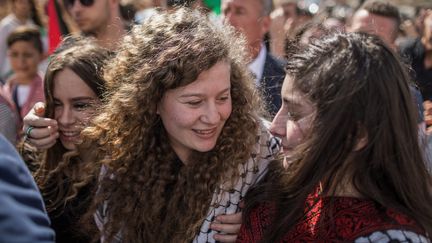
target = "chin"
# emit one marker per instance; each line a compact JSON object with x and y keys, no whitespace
{"x":207,"y":148}
{"x":21,"y":76}
{"x":69,"y":146}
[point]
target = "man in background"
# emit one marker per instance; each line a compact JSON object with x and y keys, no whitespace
{"x":252,"y":19}
{"x":98,"y":18}
{"x":382,"y":19}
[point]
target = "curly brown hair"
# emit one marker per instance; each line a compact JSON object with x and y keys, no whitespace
{"x":168,"y":51}
{"x":62,"y":173}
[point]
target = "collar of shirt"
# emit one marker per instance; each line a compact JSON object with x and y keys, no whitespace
{"x":257,"y":65}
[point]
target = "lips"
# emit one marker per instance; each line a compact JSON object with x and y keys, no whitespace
{"x":286,"y":150}
{"x":205,"y":133}
{"x":80,"y":21}
{"x":69,"y":135}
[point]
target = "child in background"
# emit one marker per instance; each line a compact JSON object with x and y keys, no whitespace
{"x":25,"y":87}
{"x":23,"y":13}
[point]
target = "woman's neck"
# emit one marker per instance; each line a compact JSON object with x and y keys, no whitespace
{"x":342,"y":188}
{"x":346,"y":190}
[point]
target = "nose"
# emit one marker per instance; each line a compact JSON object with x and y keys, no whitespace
{"x":211,"y":114}
{"x":21,"y":61}
{"x":75,"y":7}
{"x":65,"y":117}
{"x":278,"y":125}
{"x":228,"y":18}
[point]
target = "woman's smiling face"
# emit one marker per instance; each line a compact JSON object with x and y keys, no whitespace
{"x":74,"y":105}
{"x":195,"y":114}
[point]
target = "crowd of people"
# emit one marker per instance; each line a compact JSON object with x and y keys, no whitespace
{"x":241,"y":121}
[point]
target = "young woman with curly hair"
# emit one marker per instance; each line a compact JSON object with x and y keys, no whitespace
{"x":354,"y":169}
{"x":179,"y":140}
{"x":73,"y":91}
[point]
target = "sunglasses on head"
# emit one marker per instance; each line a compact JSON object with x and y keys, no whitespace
{"x":85,"y":3}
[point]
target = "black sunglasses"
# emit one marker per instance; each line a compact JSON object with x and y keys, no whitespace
{"x":85,"y":3}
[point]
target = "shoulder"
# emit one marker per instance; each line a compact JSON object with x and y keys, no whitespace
{"x":274,"y":65}
{"x":7,"y":21}
{"x":409,"y":43}
{"x":22,"y":212}
{"x":366,"y":221}
{"x":7,"y":25}
{"x":411,"y":48}
{"x":9,"y":85}
{"x":38,"y":79}
{"x":393,"y":236}
{"x":265,"y":150}
{"x":12,"y":168}
{"x":37,"y":88}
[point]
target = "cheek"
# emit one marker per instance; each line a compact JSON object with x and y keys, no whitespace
{"x":57,"y":112}
{"x":179,"y":118}
{"x":13,"y":62}
{"x":84,"y":117}
{"x":294,"y":134}
{"x":225,"y":111}
{"x":34,"y":62}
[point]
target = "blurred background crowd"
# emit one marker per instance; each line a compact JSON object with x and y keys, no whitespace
{"x":269,"y":27}
{"x":405,"y":25}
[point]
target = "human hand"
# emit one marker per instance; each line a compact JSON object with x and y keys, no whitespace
{"x":40,"y":132}
{"x":228,"y":225}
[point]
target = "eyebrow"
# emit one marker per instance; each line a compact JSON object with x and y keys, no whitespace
{"x":80,"y":98}
{"x":292,"y":101}
{"x":198,"y":94}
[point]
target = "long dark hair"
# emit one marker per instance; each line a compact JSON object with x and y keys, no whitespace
{"x":359,"y":88}
{"x":86,"y":59}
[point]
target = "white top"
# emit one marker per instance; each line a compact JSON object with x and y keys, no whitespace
{"x":23,"y":92}
{"x":257,"y":65}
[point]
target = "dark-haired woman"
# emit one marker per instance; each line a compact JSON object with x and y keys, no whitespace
{"x":353,"y":170}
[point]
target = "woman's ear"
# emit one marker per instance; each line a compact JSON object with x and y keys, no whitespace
{"x":362,"y":138}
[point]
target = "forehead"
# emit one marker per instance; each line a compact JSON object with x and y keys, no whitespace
{"x":294,"y":96}
{"x":289,"y":90}
{"x":363,"y":18}
{"x":23,"y":45}
{"x":248,"y":4}
{"x":213,"y":80}
{"x":21,"y":1}
{"x":68,"y":84}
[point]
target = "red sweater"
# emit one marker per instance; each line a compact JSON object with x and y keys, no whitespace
{"x":354,"y":220}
